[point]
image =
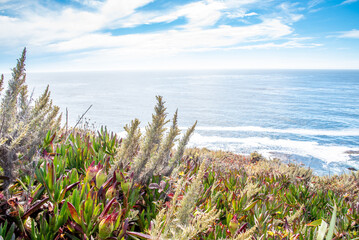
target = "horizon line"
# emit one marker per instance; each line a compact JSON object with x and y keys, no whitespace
{"x":183,"y":69}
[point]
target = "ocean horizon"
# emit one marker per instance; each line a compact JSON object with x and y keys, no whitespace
{"x":305,"y":116}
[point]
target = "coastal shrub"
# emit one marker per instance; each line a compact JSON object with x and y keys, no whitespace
{"x":178,"y":220}
{"x":23,"y":123}
{"x":152,"y":154}
{"x":255,"y":156}
{"x":211,"y":195}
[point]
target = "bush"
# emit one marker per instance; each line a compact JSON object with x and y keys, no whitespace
{"x":23,"y":123}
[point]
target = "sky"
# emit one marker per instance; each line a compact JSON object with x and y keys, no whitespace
{"x":91,"y":35}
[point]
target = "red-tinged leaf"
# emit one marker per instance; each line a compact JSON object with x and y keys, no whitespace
{"x":170,"y":195}
{"x":243,"y":228}
{"x":52,"y":138}
{"x":109,"y":182}
{"x":114,"y":216}
{"x":107,"y":207}
{"x":101,"y":193}
{"x":68,"y":188}
{"x":154,"y":186}
{"x":74,"y":213}
{"x":76,"y":227}
{"x":35,"y":207}
{"x":125,"y":225}
{"x":141,"y":235}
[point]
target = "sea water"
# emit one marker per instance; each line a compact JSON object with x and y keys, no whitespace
{"x":303,"y":116}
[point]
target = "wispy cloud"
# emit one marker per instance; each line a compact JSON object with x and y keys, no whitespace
{"x":287,"y":44}
{"x":90,"y":3}
{"x":39,"y":26}
{"x":179,"y":40}
{"x":314,"y":3}
{"x":76,"y":29}
{"x":97,"y":27}
{"x":349,"y":34}
{"x":348,"y":2}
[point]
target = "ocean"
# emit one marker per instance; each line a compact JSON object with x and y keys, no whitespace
{"x":306,"y":116}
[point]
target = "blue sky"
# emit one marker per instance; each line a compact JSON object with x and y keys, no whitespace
{"x":81,"y":35}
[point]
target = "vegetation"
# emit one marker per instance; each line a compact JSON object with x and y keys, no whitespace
{"x":23,"y":125}
{"x":95,"y":185}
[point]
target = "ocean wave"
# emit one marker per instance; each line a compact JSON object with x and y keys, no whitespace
{"x":323,"y":159}
{"x":297,"y":131}
{"x":266,"y":146}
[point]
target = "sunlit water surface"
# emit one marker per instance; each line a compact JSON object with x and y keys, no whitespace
{"x":310,"y":117}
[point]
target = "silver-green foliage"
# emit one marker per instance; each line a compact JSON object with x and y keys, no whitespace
{"x":179,"y":222}
{"x":23,"y":122}
{"x":152,"y":153}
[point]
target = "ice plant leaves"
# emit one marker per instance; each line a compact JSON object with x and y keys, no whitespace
{"x":322,"y":230}
{"x":73,"y":212}
{"x":332,"y":224}
{"x":35,"y":207}
{"x":140,"y":235}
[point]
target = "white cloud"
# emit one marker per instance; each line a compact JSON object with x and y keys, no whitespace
{"x":288,"y":44}
{"x":350,"y":34}
{"x":179,"y":40}
{"x":289,"y":12}
{"x":39,"y":27}
{"x":37,"y":30}
{"x":90,"y":3}
{"x":201,"y":14}
{"x":314,"y":3}
{"x":198,"y":14}
{"x":114,"y":9}
{"x":240,"y":14}
{"x":348,"y":2}
{"x":86,"y":33}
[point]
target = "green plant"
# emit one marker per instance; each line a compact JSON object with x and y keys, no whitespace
{"x":151,"y":154}
{"x":23,"y":124}
{"x":5,"y":233}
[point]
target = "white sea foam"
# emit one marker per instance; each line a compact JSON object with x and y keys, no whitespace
{"x":298,"y":131}
{"x":265,"y":145}
{"x":324,"y":159}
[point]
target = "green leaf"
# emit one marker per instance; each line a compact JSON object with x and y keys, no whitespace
{"x":250,"y":206}
{"x":10,"y":235}
{"x":315,"y":223}
{"x":68,"y":188}
{"x":332,"y":224}
{"x":51,"y":175}
{"x":62,"y":216}
{"x":74,"y":213}
{"x":322,"y":230}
